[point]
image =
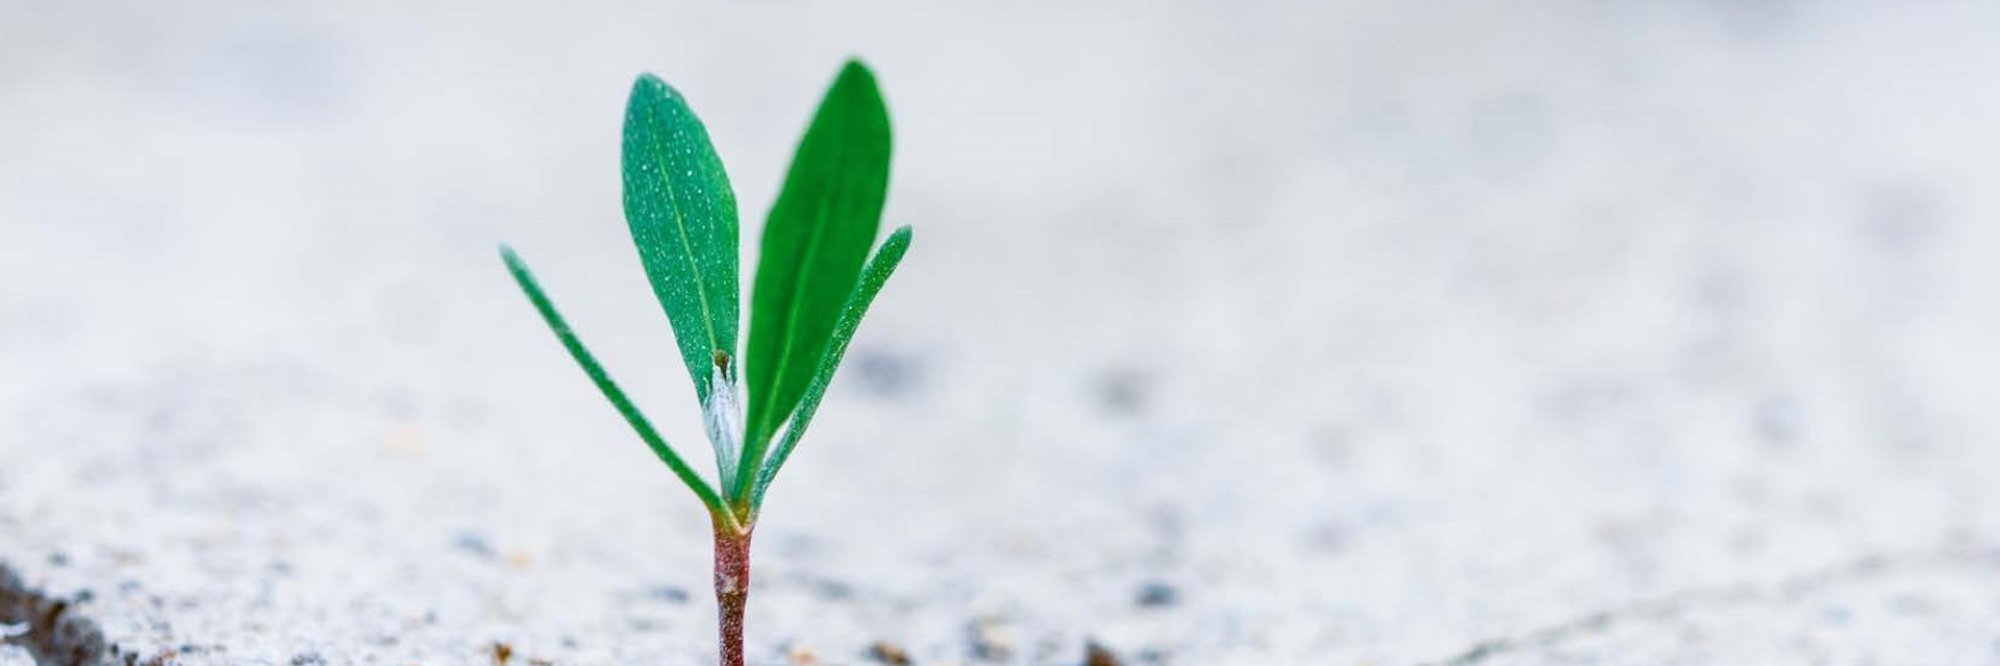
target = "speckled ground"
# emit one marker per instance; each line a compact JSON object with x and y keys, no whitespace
{"x":1654,"y":333}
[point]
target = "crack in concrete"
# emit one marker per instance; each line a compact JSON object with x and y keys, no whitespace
{"x":55,"y":636}
{"x":1716,"y":598}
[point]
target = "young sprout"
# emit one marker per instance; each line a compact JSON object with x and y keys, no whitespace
{"x":814,"y":283}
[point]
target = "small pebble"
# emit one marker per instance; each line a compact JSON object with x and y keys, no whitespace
{"x":473,"y":544}
{"x":1157,"y":595}
{"x":833,"y":590}
{"x":888,"y":653}
{"x":667,"y":593}
{"x":1098,"y":655}
{"x":502,"y":652}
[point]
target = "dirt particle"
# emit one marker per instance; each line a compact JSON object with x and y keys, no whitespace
{"x":502,"y":652}
{"x":801,"y":656}
{"x":472,"y":543}
{"x":667,"y":594}
{"x":1098,"y":655}
{"x":833,"y":590}
{"x":1157,"y":594}
{"x":888,"y":653}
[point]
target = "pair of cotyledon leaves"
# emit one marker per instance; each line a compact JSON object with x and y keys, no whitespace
{"x":814,"y":278}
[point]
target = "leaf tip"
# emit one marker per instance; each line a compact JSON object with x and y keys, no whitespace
{"x":855,"y":67}
{"x":649,"y":81}
{"x":899,"y":240}
{"x":512,"y":259}
{"x":649,"y":89}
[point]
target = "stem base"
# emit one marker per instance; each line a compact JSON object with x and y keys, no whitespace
{"x":732,"y":588}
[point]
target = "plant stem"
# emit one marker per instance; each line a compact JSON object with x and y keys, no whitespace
{"x":732,"y":585}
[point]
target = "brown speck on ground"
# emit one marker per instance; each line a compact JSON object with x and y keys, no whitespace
{"x":802,"y":656}
{"x":502,"y":652}
{"x":1098,"y":655}
{"x":888,"y":653}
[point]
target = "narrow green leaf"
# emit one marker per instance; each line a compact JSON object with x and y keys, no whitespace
{"x":872,"y":278}
{"x":815,"y":241}
{"x":659,"y":445}
{"x":683,"y":219}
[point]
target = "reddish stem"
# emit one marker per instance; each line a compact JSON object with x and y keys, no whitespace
{"x":732,"y":587}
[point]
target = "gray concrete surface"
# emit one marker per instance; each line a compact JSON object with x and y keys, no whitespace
{"x":1314,"y":333}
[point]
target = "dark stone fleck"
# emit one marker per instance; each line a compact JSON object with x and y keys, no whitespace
{"x":308,"y":659}
{"x":473,"y":544}
{"x":833,"y":590}
{"x":667,"y":593}
{"x":1157,"y":594}
{"x":1098,"y":655}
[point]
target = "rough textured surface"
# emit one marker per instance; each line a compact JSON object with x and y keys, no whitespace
{"x":34,"y":623}
{"x":1655,"y":333}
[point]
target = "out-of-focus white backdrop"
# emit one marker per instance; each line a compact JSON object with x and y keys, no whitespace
{"x":1374,"y":331}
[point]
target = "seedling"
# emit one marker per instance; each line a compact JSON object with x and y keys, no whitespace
{"x":813,"y":287}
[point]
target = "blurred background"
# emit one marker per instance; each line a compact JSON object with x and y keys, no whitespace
{"x":1311,"y":332}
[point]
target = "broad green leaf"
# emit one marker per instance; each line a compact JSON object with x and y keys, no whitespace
{"x":818,"y":235}
{"x":659,"y":445}
{"x":872,"y":278}
{"x":683,"y":219}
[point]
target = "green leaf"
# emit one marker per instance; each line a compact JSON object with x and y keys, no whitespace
{"x":683,"y":219}
{"x":818,"y":235}
{"x":659,"y":445}
{"x":872,"y":278}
